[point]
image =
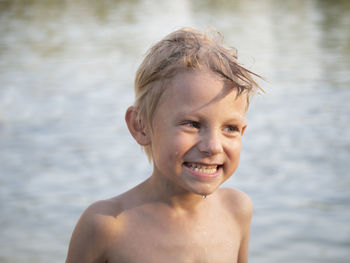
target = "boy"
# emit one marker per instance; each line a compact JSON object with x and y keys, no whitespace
{"x":191,"y":98}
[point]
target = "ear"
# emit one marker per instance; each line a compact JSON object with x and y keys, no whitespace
{"x":243,"y":128}
{"x":137,"y":127}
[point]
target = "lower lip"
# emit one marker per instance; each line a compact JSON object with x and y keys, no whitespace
{"x":203,"y":175}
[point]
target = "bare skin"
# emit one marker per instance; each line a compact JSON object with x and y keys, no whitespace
{"x":195,"y":142}
{"x":136,"y":227}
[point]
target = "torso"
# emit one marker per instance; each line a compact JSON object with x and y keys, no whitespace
{"x":147,"y":233}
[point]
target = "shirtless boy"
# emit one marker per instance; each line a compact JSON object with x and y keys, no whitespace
{"x":191,"y":100}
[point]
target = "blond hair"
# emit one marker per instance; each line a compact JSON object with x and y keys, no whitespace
{"x":186,"y":49}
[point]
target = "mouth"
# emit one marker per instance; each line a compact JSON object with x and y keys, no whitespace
{"x":203,"y":169}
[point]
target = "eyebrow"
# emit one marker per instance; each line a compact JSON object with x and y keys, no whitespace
{"x":184,"y":114}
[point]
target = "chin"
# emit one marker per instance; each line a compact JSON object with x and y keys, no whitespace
{"x":205,"y":191}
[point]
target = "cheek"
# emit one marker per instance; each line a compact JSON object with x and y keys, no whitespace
{"x":175,"y":147}
{"x":169,"y":155}
{"x":179,"y":145}
{"x":233,"y":155}
{"x":234,"y":150}
{"x":183,"y":143}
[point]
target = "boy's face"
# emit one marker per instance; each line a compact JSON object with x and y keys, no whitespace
{"x":197,"y":129}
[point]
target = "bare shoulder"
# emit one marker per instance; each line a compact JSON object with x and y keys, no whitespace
{"x":236,"y":201}
{"x":97,"y":226}
{"x":102,"y":216}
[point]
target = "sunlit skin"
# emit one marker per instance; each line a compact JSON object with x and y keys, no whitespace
{"x":199,"y":123}
{"x":195,"y":140}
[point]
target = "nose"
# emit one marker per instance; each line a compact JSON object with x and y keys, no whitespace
{"x":210,"y":143}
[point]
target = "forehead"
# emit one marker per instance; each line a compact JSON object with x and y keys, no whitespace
{"x":195,"y":90}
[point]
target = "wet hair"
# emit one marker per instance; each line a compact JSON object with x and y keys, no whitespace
{"x":183,"y":50}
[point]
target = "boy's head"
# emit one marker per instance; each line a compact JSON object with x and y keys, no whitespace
{"x":184,"y":50}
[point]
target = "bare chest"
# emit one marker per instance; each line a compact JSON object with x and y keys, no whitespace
{"x":176,"y":243}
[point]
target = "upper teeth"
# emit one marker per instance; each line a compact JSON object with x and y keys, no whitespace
{"x":203,"y":168}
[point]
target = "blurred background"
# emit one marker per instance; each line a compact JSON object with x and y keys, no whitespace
{"x":66,"y":79}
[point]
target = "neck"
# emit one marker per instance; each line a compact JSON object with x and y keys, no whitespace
{"x":165,"y":191}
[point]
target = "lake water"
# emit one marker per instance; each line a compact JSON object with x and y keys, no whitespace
{"x":66,"y":74}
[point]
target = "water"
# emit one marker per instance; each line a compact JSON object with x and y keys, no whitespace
{"x":66,"y":74}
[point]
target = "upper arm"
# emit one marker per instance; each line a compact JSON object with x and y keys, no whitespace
{"x":242,"y":209}
{"x":89,"y":238}
{"x":245,"y":222}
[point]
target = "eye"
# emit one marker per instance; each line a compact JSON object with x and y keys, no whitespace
{"x":191,"y":124}
{"x":232,"y":129}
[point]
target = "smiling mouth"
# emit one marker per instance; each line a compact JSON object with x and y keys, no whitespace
{"x":203,"y":168}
